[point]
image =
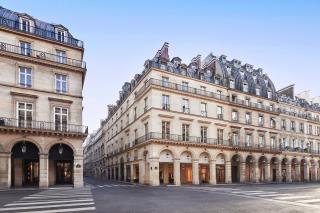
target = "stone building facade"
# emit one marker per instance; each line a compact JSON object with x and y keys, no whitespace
{"x":212,"y":121}
{"x":41,"y":81}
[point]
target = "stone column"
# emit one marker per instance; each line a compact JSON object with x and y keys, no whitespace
{"x":154,"y":172}
{"x":142,"y":171}
{"x":316,"y":172}
{"x":298,"y":172}
{"x":267,"y":172}
{"x":78,"y":171}
{"x":213,"y":175}
{"x":131,"y":173}
{"x":242,"y":172}
{"x":279,"y":177}
{"x":195,"y":172}
{"x":306,"y":172}
{"x":289,"y":179}
{"x":5,"y":170}
{"x":125,"y":172}
{"x":176,"y":171}
{"x":256,"y":172}
{"x":228,"y":172}
{"x":43,"y":171}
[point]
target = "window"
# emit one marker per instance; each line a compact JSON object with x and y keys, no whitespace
{"x":24,"y":114}
{"x":165,"y":102}
{"x":310,"y":130}
{"x":60,"y":35}
{"x":232,"y":85}
{"x":220,"y":136}
{"x":135,"y":113}
{"x":185,"y":106}
{"x":203,"y":108}
{"x":135,"y":135}
{"x":245,"y":87}
{"x":272,"y":122}
{"x":25,"y":25}
{"x":261,"y":141}
{"x":25,"y":48}
{"x":260,"y":120}
{"x":146,"y":104}
{"x":61,"y":57}
{"x":185,"y":132}
{"x":258,"y":91}
{"x":185,"y":86}
{"x":146,"y":129}
{"x":248,"y":118}
{"x":234,"y":115}
{"x":165,"y":81}
{"x":248,"y":140}
{"x":269,"y":94}
{"x":271,"y":107}
{"x":273,"y":142}
{"x":220,"y":112}
{"x":203,"y":88}
{"x":219,"y":94}
{"x":60,"y":118}
{"x":283,"y":124}
{"x":301,"y":127}
{"x":318,"y":130}
{"x":203,"y":134}
{"x":293,"y":125}
{"x":25,"y":77}
{"x":259,"y":104}
{"x":61,"y":83}
{"x":247,"y":101}
{"x":165,"y":130}
{"x":235,"y":138}
{"x":127,"y":118}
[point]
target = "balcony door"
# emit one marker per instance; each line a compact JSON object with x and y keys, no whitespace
{"x":24,"y":114}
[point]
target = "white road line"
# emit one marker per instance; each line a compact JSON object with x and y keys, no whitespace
{"x":47,"y":202}
{"x":54,"y":196}
{"x":259,"y":193}
{"x":272,"y":195}
{"x":292,"y":197}
{"x":64,"y":210}
{"x":242,"y":192}
{"x":58,"y":199}
{"x":47,"y":206}
{"x":309,"y":201}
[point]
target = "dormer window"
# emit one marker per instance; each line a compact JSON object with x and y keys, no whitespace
{"x":258,"y":91}
{"x":25,"y":25}
{"x":245,"y":87}
{"x":60,"y":35}
{"x":232,"y":84}
{"x":269,"y":94}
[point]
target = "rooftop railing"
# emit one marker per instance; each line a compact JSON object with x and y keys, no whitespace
{"x":42,"y":125}
{"x":51,"y":35}
{"x":41,"y":55}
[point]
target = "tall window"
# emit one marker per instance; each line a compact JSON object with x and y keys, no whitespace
{"x":272,"y":122}
{"x":283,"y":124}
{"x":185,"y":106}
{"x":269,"y":94}
{"x":185,"y":132}
{"x":185,"y":86}
{"x":310,"y":129}
{"x":135,"y":113}
{"x":60,"y":118}
{"x":24,"y":114}
{"x":258,"y":91}
{"x":248,"y":140}
{"x":61,"y":57}
{"x":146,"y":129}
{"x":165,"y":81}
{"x":259,"y":104}
{"x":273,"y":142}
{"x":219,"y":112}
{"x":234,"y":115}
{"x":220,"y":136}
{"x":61,"y":83}
{"x":219,"y":94}
{"x":301,"y":127}
{"x":25,"y":77}
{"x":25,"y":25}
{"x":203,"y":134}
{"x":232,"y":84}
{"x":203,"y":107}
{"x":165,"y":129}
{"x":260,"y":120}
{"x":293,"y":125}
{"x":245,"y":87}
{"x":261,"y":141}
{"x":248,"y":118}
{"x":25,"y":48}
{"x":60,"y":36}
{"x":165,"y":102}
{"x":235,"y":138}
{"x":145,"y":104}
{"x":318,"y":130}
{"x":247,"y":101}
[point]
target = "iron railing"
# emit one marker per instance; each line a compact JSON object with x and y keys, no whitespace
{"x":51,"y":35}
{"x":41,"y":55}
{"x":42,"y":125}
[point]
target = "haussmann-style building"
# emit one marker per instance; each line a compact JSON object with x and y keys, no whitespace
{"x":212,"y":121}
{"x":41,"y":80}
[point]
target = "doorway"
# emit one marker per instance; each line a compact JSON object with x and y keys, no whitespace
{"x":64,"y":172}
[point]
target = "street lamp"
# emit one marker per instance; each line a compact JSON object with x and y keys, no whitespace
{"x":24,"y":147}
{"x":60,"y":150}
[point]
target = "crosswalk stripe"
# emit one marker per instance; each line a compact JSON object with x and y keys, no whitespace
{"x":272,"y":195}
{"x":54,"y":196}
{"x":310,"y":201}
{"x":292,"y":197}
{"x":64,"y":210}
{"x":242,"y":192}
{"x":47,"y":202}
{"x":47,"y":206}
{"x":259,"y":193}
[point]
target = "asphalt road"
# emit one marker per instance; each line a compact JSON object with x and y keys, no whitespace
{"x":103,"y":196}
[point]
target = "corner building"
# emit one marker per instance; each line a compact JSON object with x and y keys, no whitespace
{"x":41,"y":80}
{"x":212,"y":121}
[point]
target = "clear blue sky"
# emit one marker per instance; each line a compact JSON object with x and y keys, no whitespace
{"x":282,"y":37}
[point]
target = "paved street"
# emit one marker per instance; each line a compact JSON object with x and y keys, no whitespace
{"x":103,"y":196}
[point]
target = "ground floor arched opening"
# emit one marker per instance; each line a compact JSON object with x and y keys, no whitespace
{"x":61,"y":164}
{"x":250,"y":169}
{"x":274,"y":162}
{"x":166,"y":171}
{"x":186,"y":168}
{"x":294,"y":170}
{"x":220,"y":169}
{"x":204,"y":169}
{"x":303,"y":165}
{"x":263,"y":162}
{"x":284,"y":170}
{"x":24,"y":164}
{"x":121,"y":169}
{"x":235,"y":169}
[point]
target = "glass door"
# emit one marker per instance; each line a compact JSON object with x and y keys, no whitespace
{"x":64,"y":172}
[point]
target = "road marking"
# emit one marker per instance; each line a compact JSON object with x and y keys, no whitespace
{"x":310,"y":201}
{"x":242,"y":192}
{"x":292,"y":197}
{"x":47,"y":206}
{"x":48,"y":196}
{"x":260,"y":193}
{"x":272,"y":195}
{"x":64,"y":210}
{"x":47,"y":202}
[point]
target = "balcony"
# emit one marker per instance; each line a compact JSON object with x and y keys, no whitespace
{"x":46,"y":34}
{"x":14,"y":124}
{"x":41,"y":55}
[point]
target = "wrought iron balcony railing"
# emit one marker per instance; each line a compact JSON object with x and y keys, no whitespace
{"x":51,"y":35}
{"x":41,"y":55}
{"x":42,"y":126}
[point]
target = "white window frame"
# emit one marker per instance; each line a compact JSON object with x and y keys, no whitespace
{"x":54,"y":118}
{"x":25,"y":110}
{"x":61,"y":82}
{"x":61,"y":56}
{"x":24,"y":84}
{"x":25,"y":48}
